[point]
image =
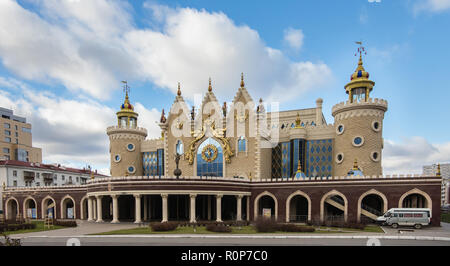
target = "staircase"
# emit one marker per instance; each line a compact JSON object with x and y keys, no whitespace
{"x":365,"y":210}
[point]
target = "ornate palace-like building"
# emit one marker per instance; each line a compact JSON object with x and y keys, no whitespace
{"x":219,"y":162}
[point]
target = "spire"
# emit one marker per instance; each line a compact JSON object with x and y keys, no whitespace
{"x":299,"y":173}
{"x":355,"y":165}
{"x":210,"y":87}
{"x":126,"y":104}
{"x":179,"y":90}
{"x":438,"y":172}
{"x":242,"y":80}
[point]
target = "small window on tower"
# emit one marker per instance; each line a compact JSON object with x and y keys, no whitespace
{"x":123,"y":122}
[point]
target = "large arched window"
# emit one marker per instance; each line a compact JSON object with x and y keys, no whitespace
{"x":210,"y":158}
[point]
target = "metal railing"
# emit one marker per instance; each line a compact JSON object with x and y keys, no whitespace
{"x":298,"y":218}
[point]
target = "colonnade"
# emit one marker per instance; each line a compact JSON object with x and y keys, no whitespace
{"x":95,"y":207}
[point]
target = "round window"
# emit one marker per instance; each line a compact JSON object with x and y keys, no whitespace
{"x":358,"y":141}
{"x":376,"y":126}
{"x":131,"y":169}
{"x":340,"y":129}
{"x":130,"y":147}
{"x":375,"y":156}
{"x":339,"y":157}
{"x":117,"y":158}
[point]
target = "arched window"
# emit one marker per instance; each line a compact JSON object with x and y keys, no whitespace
{"x":242,"y":144}
{"x":179,"y":147}
{"x":210,"y":158}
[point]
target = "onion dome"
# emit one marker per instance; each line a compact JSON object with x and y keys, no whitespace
{"x":299,"y":173}
{"x":355,"y":171}
{"x":360,"y":72}
{"x":127,"y":105}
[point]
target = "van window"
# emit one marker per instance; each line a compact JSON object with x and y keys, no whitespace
{"x":400,"y":215}
{"x":395,"y":215}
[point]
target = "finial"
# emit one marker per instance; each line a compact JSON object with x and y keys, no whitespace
{"x":260,"y":100}
{"x":224,"y":108}
{"x":355,"y":165}
{"x":179,"y":90}
{"x":163,"y":117}
{"x":210,"y":87}
{"x":242,"y":80}
{"x":438,"y":172}
{"x":299,"y":167}
{"x":4,"y":185}
{"x":298,"y":121}
{"x":92,"y":174}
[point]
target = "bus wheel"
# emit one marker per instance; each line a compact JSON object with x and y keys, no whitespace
{"x":394,"y":226}
{"x":418,"y":226}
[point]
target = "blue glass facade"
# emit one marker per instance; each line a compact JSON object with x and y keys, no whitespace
{"x":153,"y":163}
{"x":319,"y":157}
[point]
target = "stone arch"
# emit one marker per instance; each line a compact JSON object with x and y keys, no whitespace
{"x":82,"y":210}
{"x":63,"y":210}
{"x":256,"y":201}
{"x":44,"y":206}
{"x":25,"y":214}
{"x":8,"y":214}
{"x":416,"y":191}
{"x":330,"y":193}
{"x":371,"y":192}
{"x":288,"y":203}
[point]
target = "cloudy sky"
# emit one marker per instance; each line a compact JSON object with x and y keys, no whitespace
{"x":61,"y":63}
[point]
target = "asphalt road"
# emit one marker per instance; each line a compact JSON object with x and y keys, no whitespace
{"x":187,"y":241}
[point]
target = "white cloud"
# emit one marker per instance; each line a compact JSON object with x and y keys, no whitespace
{"x":433,"y":6}
{"x":411,"y":154}
{"x":70,"y":132}
{"x":89,"y":46}
{"x":294,"y":38}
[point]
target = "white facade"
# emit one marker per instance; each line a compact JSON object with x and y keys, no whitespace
{"x":445,"y":173}
{"x":20,"y":174}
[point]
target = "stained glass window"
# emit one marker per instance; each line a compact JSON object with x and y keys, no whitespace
{"x":210,"y":158}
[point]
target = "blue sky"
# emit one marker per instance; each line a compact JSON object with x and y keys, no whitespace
{"x":62,"y":63}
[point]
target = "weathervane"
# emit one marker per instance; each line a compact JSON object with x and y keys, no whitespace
{"x":126,"y":88}
{"x":361,"y":49}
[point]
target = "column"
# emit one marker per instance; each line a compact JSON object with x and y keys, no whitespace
{"x":115,"y":209}
{"x":248,"y":207}
{"x":137,"y":208}
{"x":219,"y":207}
{"x":145,"y":208}
{"x":149,"y":207}
{"x":192,"y":208}
{"x":90,"y":209}
{"x":94,"y":203}
{"x":209,"y":207}
{"x":239,"y":208}
{"x":164,"y":207}
{"x":99,"y":209}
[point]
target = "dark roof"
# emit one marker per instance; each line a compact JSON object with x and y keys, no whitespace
{"x":43,"y":166}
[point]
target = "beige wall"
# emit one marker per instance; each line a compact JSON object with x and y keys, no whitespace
{"x":358,"y":126}
{"x":118,"y":145}
{"x":24,"y":140}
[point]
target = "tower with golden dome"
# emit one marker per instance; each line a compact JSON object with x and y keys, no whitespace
{"x":358,"y":124}
{"x":125,"y":140}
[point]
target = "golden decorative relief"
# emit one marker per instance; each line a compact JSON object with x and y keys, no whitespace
{"x":209,"y":153}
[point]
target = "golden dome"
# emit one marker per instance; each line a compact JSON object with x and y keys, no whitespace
{"x":360,"y":72}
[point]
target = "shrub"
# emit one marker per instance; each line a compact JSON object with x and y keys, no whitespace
{"x":65,"y":223}
{"x":266,"y":225}
{"x":165,"y":226}
{"x":294,"y":228}
{"x":218,"y":228}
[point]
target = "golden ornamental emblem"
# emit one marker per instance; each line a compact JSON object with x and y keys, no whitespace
{"x":209,"y":153}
